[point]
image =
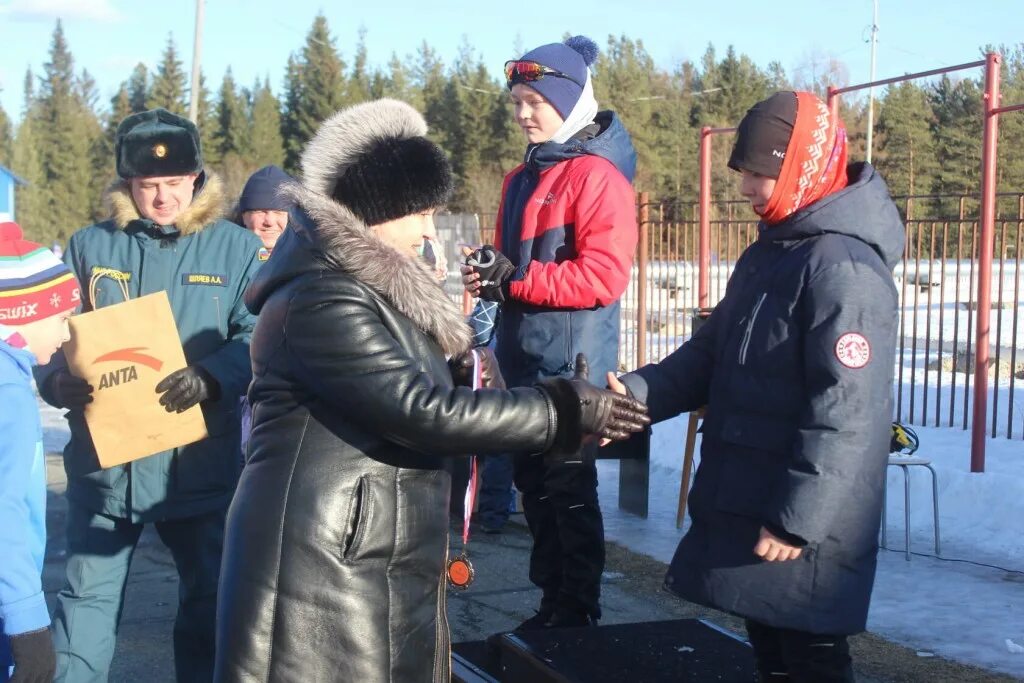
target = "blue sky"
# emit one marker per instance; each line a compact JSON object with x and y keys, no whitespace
{"x":254,"y":37}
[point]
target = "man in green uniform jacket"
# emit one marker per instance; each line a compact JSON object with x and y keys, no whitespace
{"x":165,"y":234}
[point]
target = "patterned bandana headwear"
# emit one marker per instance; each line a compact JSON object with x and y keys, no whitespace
{"x":815,"y":162}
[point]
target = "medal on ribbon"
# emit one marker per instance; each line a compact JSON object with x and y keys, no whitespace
{"x":460,"y":570}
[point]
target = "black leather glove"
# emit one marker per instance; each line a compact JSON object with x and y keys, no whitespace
{"x":494,"y":269}
{"x":187,"y":387}
{"x":586,"y":411}
{"x":34,"y":658}
{"x":490,"y":376}
{"x":68,"y":391}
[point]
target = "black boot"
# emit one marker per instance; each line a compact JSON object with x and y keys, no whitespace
{"x":540,"y":620}
{"x":571,"y":618}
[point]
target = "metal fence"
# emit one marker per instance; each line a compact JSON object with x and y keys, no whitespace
{"x":936,"y":280}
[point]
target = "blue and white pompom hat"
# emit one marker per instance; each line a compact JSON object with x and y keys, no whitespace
{"x":572,"y":97}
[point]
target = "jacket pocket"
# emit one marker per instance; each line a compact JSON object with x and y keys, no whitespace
{"x":749,"y":331}
{"x":355,"y":525}
{"x":755,"y":450}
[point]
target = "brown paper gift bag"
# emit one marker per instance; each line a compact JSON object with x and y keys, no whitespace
{"x":123,"y":351}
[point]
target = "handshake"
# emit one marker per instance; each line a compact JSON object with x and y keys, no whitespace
{"x":584,"y":412}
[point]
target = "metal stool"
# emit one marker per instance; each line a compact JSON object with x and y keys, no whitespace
{"x":903,"y":462}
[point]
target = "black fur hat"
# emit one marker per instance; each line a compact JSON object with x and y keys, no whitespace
{"x":375,"y":159}
{"x":157,"y":143}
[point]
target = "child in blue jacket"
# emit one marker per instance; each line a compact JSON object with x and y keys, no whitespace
{"x":38,"y":293}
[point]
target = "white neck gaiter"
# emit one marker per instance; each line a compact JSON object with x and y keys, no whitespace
{"x":581,"y":116}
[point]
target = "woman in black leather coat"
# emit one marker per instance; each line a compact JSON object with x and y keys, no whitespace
{"x":337,"y":536}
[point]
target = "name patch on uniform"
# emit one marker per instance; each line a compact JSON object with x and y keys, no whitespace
{"x":853,"y":350}
{"x":204,"y":279}
{"x":111,"y":273}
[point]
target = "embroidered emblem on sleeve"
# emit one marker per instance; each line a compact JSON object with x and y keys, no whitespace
{"x":853,"y":350}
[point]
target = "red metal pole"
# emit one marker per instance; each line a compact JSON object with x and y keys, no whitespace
{"x":641,"y":271}
{"x":985,"y":249}
{"x":704,"y":245}
{"x":833,"y":102}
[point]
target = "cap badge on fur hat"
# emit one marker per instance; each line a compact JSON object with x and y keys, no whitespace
{"x":157,"y":143}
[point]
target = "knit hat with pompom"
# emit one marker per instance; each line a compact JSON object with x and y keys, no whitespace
{"x":572,"y":58}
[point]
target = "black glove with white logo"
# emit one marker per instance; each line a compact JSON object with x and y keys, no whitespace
{"x":185,"y":388}
{"x":34,"y":658}
{"x":64,"y":390}
{"x":587,"y":411}
{"x":494,"y":269}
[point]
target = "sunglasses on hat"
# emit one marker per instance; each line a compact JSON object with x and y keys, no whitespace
{"x":521,"y":71}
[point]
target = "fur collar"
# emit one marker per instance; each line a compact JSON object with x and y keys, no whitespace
{"x":407,"y":284}
{"x":206,"y":207}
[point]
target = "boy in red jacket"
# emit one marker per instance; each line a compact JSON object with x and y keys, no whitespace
{"x":565,"y":238}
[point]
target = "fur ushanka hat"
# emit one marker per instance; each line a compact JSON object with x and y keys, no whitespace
{"x":375,"y":159}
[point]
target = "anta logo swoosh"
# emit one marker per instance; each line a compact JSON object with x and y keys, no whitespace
{"x":131,"y":355}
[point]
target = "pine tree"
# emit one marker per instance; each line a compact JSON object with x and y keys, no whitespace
{"x":1011,"y":127}
{"x":397,"y":83}
{"x":359,"y":82}
{"x":291,"y":135}
{"x":120,"y":108}
{"x":905,"y":147}
{"x":466,"y":128}
{"x":315,"y":88}
{"x":6,"y":138}
{"x":26,"y":163}
{"x":168,"y":87}
{"x":265,"y":126}
{"x":429,"y":79}
{"x":67,"y":132}
{"x":206,"y":122}
{"x":956,"y":127}
{"x":232,"y":133}
{"x":138,"y":88}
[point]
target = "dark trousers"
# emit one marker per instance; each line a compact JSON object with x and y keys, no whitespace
{"x":561,"y":508}
{"x":786,"y":656}
{"x":89,"y":607}
{"x":495,"y":490}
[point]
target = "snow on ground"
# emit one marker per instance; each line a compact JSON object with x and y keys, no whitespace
{"x":956,"y":610}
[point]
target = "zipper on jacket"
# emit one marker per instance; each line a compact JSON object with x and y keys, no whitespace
{"x":745,"y":344}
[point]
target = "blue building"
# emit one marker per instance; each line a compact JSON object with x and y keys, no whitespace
{"x":8,"y":181}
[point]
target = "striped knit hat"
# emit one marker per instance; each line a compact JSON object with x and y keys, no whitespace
{"x":34,"y":284}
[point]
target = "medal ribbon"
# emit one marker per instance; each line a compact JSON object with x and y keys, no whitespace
{"x":469,"y":501}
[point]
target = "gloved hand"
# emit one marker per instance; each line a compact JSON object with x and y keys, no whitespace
{"x":490,"y":376}
{"x":187,"y":387}
{"x":34,"y":658}
{"x":68,"y":391}
{"x":585,"y":412}
{"x":486,"y":274}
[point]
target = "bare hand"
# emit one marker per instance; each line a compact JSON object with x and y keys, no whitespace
{"x":619,"y":388}
{"x":771,"y":548}
{"x":470,"y":278}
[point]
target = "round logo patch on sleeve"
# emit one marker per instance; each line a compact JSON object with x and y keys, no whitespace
{"x":853,"y":350}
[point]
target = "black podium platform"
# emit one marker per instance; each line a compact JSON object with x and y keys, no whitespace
{"x":680,"y":651}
